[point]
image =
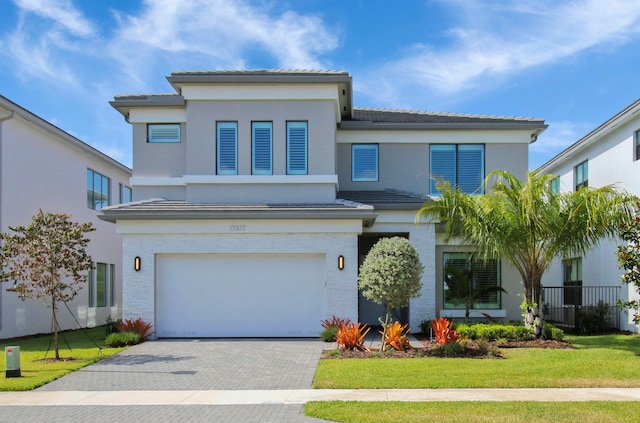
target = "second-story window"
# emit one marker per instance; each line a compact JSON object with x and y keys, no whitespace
{"x":582,"y":175}
{"x":462,"y":165}
{"x":97,"y":190}
{"x":125,"y":194}
{"x":364,"y":162}
{"x":261,"y":148}
{"x":164,"y":132}
{"x":555,"y":185}
{"x":297,"y":148}
{"x":227,"y":142}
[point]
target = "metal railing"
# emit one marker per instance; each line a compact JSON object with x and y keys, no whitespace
{"x":581,"y":309}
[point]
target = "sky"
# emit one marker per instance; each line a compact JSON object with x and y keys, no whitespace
{"x":574,"y":63}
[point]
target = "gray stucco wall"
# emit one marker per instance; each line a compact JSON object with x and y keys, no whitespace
{"x":511,"y":157}
{"x":158,"y":159}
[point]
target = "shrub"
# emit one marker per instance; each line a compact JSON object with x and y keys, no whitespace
{"x":495,"y":331}
{"x":138,"y":326}
{"x":451,"y":349}
{"x":122,"y":339}
{"x":425,"y":326}
{"x":553,"y":332}
{"x":351,"y":337}
{"x":595,"y":319}
{"x":335,"y":322}
{"x":444,"y":331}
{"x":329,"y":334}
{"x":396,"y":336}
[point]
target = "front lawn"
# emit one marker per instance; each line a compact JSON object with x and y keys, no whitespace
{"x":37,"y":372}
{"x":486,"y":412}
{"x":598,"y":361}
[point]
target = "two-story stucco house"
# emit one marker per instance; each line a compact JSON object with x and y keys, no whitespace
{"x":610,"y":154}
{"x":44,"y":167}
{"x":257,"y":194}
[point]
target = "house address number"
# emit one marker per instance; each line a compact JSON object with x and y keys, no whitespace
{"x":237,"y":228}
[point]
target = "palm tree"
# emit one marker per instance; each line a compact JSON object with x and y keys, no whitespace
{"x":528,"y":225}
{"x":461,"y":290}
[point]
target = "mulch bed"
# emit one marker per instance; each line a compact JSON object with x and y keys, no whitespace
{"x":472,"y":349}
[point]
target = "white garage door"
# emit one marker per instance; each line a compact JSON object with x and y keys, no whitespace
{"x":239,"y":295}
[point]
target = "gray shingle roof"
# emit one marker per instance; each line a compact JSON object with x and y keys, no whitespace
{"x":387,"y":199}
{"x":413,"y":116}
{"x":249,"y":72}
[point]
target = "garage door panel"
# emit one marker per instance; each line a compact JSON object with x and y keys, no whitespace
{"x":239,"y":295}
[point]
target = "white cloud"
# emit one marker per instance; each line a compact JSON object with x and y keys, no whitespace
{"x":218,"y":34}
{"x":60,"y":11}
{"x":498,"y":38}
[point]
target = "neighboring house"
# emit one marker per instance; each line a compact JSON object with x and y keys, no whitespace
{"x":257,"y":194}
{"x":610,"y":154}
{"x":43,"y":167}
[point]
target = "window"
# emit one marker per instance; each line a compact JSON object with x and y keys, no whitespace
{"x":364,"y":162}
{"x":91,"y":288}
{"x":125,"y":194}
{"x":637,"y":145}
{"x":572,"y":269}
{"x":97,"y":190}
{"x":112,"y":285}
{"x":261,"y":145}
{"x":484,"y":274}
{"x":227,"y":134}
{"x":582,"y":175}
{"x":101,"y":285}
{"x":555,"y":185}
{"x":461,"y":165}
{"x":296,"y":148}
{"x":166,"y":132}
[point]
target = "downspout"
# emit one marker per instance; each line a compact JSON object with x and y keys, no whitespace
{"x":2,"y":120}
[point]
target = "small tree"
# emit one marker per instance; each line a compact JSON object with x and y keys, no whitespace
{"x":46,"y":260}
{"x":390,"y":275}
{"x":629,"y":260}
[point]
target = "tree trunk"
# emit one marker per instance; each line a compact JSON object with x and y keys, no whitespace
{"x":533,"y":298}
{"x":55,"y":327}
{"x":384,"y":328}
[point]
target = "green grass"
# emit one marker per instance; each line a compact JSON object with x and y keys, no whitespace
{"x":37,"y":372}
{"x":512,"y":411}
{"x":599,"y":361}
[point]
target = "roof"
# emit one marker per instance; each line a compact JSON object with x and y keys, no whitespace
{"x":387,"y":199}
{"x":364,"y":118}
{"x":160,"y":208}
{"x":594,"y":136}
{"x":16,"y":110}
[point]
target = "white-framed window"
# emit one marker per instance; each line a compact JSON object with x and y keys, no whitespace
{"x":364,"y":162}
{"x":481,"y":274}
{"x":125,"y":194}
{"x":582,"y":175}
{"x":163,"y":132}
{"x":101,"y":285}
{"x":97,"y":190}
{"x":462,"y":165}
{"x":636,"y":145}
{"x":297,"y":148}
{"x":261,"y":148}
{"x":227,"y":148}
{"x":555,"y":185}
{"x":572,"y":279}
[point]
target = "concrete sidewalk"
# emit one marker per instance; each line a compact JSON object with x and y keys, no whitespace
{"x":301,"y":396}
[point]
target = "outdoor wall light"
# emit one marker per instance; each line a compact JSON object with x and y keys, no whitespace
{"x":136,"y":263}
{"x":340,"y":262}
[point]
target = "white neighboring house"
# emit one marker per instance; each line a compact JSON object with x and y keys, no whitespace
{"x":258,"y":194}
{"x":44,"y":167}
{"x":610,"y":154}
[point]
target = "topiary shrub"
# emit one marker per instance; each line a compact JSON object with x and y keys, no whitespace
{"x":390,"y":275}
{"x":122,"y":339}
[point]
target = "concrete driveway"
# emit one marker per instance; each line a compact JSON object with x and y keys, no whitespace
{"x":201,"y":364}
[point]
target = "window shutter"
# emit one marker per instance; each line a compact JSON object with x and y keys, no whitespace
{"x":261,"y":155}
{"x":297,"y":148}
{"x":227,"y":148}
{"x":364,"y":162}
{"x":443,"y":165}
{"x":471,"y":168}
{"x":164,"y":132}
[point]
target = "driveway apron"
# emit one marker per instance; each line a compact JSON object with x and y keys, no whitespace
{"x":201,"y":364}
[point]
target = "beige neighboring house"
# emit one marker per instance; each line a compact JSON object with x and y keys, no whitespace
{"x":257,"y":194}
{"x":44,"y":167}
{"x":610,"y":154}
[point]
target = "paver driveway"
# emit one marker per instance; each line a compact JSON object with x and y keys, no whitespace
{"x":201,"y":364}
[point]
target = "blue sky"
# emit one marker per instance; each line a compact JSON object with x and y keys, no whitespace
{"x":574,"y":63}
